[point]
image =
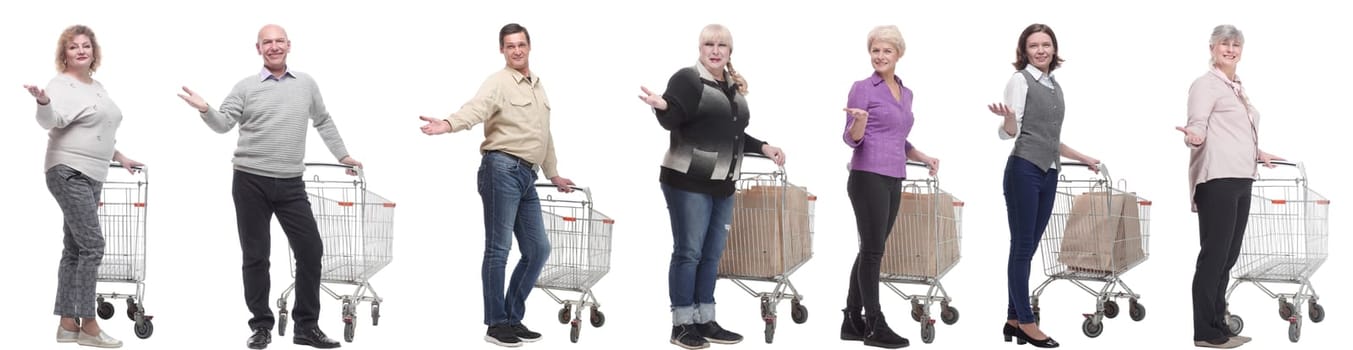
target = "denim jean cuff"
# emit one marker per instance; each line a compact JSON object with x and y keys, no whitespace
{"x":683,"y":315}
{"x":704,"y":313}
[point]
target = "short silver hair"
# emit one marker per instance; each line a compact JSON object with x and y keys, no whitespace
{"x":1226,"y":32}
{"x":887,"y":34}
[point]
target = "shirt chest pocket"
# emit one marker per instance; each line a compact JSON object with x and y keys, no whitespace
{"x":526,"y":102}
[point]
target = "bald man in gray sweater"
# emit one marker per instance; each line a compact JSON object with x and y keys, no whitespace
{"x":272,"y":109}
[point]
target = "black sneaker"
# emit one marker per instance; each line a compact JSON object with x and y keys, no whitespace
{"x":525,"y":334}
{"x":686,"y":336}
{"x":716,"y":334}
{"x":503,"y":335}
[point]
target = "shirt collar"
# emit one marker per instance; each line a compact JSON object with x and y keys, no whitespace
{"x":520,"y":78}
{"x":1217,"y":72}
{"x":266,"y":75}
{"x":1038,"y":74}
{"x":877,"y":79}
{"x":706,"y":74}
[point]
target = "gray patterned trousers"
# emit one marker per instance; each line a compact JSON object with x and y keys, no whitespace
{"x":78,"y":196}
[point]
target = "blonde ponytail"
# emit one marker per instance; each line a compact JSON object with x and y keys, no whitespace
{"x":737,"y":78}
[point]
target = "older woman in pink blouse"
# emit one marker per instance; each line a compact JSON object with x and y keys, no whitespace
{"x":1223,"y":139}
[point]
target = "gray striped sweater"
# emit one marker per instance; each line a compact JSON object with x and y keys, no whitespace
{"x":272,"y":115}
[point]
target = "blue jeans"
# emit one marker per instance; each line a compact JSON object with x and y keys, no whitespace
{"x":699,"y":231}
{"x":507,"y":188}
{"x":1029,"y":195}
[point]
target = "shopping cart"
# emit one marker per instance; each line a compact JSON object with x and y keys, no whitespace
{"x":770,"y":237}
{"x":922,"y":247}
{"x":1286,"y":241}
{"x":580,"y":255}
{"x":357,"y":228}
{"x":122,"y":215}
{"x":1097,"y":232}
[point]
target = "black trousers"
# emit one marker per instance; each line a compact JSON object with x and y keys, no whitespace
{"x":875,"y":199}
{"x":1223,"y":211}
{"x":257,"y":198}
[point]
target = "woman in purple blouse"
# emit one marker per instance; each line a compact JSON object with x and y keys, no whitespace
{"x":878,"y":120}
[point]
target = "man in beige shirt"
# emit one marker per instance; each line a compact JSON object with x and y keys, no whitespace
{"x":517,"y":141}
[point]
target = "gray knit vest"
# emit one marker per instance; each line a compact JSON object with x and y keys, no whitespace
{"x":1040,"y":132}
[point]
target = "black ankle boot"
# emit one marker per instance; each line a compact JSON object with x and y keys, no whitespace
{"x":853,"y":327}
{"x":880,"y":335}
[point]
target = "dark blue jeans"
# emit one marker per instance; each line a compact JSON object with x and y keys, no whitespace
{"x":1029,"y":195}
{"x":699,"y":231}
{"x":511,"y":205}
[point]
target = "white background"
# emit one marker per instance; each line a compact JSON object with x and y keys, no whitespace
{"x":382,"y":64}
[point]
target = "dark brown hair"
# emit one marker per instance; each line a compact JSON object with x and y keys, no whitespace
{"x":512,"y":28}
{"x":1022,"y":51}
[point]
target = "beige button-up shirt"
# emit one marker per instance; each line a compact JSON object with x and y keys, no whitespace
{"x":516,"y":117}
{"x":1220,"y":112}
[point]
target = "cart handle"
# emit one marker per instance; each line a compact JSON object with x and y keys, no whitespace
{"x":115,"y":164}
{"x":762,"y":156}
{"x":585,"y":190}
{"x":361,"y":173}
{"x":1280,"y":162}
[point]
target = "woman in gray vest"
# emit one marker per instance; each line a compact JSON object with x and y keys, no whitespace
{"x":82,"y":124}
{"x":1033,"y":112}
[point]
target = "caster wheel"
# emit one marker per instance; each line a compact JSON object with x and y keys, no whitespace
{"x":770,"y":330}
{"x":282,"y":323}
{"x":927,"y":332}
{"x":949,"y":315}
{"x":349,"y":331}
{"x":1136,"y":311}
{"x":1316,"y":312}
{"x":564,"y":316}
{"x":1111,"y":309}
{"x":375,"y":314}
{"x":916,"y":311}
{"x":144,"y":329}
{"x":598,"y":318}
{"x":1091,"y":328}
{"x":1294,"y":332}
{"x":132,"y":308}
{"x":574,"y":331}
{"x":1286,"y":309}
{"x":1235,"y":323}
{"x":105,"y":310}
{"x":798,"y":313}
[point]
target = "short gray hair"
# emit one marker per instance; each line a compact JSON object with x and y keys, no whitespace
{"x":888,"y":34}
{"x":1226,"y":32}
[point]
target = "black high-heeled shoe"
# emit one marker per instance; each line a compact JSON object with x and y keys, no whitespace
{"x":1009,"y":332}
{"x":1041,"y":343}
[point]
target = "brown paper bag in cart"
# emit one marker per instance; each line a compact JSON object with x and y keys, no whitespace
{"x":769,"y":233}
{"x":924,"y":238}
{"x":1100,"y":238}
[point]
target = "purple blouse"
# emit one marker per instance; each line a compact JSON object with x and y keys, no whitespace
{"x":883,"y":149}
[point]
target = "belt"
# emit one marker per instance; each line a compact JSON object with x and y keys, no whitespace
{"x":516,"y":159}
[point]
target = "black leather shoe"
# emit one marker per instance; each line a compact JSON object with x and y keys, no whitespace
{"x":260,"y":339}
{"x":1041,"y":343}
{"x":1009,"y":332}
{"x":315,"y":338}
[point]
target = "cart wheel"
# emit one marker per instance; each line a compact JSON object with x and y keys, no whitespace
{"x":949,"y":315}
{"x":798,"y":313}
{"x":766,"y":310}
{"x":375,"y":314}
{"x":1091,"y":328}
{"x":927,"y":331}
{"x":574,"y":331}
{"x":282,"y":323}
{"x":1110,"y":309}
{"x":564,"y":314}
{"x":144,"y":329}
{"x":598,"y":318}
{"x":917,"y":311}
{"x":105,"y":310}
{"x":1235,"y":323}
{"x":1285,"y":309}
{"x":132,"y":308}
{"x":770,"y":330}
{"x":1294,"y":331}
{"x":1316,"y":312}
{"x":349,"y":330}
{"x":1136,"y":310}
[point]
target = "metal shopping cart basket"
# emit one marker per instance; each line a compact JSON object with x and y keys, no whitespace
{"x":1286,"y":241}
{"x":580,"y":255}
{"x":1097,"y":232}
{"x":922,"y":247}
{"x":122,"y":215}
{"x":770,"y":237}
{"x":357,"y":228}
